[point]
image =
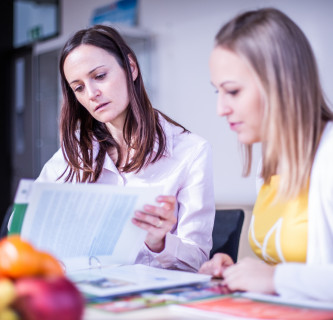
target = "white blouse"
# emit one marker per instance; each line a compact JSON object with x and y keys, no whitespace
{"x":185,"y":171}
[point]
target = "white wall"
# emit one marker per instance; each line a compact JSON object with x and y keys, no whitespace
{"x":183,"y":34}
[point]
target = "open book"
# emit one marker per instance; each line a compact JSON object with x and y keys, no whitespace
{"x":88,"y":228}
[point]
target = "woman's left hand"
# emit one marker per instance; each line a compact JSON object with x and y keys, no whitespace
{"x":250,"y":274}
{"x":158,"y":221}
{"x":216,"y":265}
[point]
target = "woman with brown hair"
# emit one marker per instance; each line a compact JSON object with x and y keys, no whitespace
{"x":267,"y":81}
{"x":111,"y":134}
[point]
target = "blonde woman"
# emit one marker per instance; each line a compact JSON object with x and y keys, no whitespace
{"x":266,"y":77}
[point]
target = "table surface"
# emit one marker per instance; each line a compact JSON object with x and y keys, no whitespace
{"x":165,"y":311}
{"x":260,"y":304}
{"x":156,"y":313}
{"x":159,"y":312}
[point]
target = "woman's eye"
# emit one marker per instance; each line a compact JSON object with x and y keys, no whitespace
{"x":100,"y":76}
{"x":78,"y":89}
{"x":233,"y":92}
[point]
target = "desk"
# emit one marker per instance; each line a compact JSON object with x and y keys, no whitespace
{"x":164,"y":303}
{"x":225,"y":307}
{"x":156,"y":313}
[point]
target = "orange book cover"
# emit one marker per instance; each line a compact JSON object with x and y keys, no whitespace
{"x":247,"y":308}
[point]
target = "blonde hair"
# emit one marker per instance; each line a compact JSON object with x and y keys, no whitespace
{"x":295,"y":109}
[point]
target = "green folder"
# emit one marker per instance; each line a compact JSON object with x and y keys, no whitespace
{"x":20,"y":206}
{"x":17,"y":218}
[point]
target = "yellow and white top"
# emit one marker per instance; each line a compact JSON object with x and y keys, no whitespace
{"x":279,"y":229}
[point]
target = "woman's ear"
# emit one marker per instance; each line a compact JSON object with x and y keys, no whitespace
{"x":134,"y":67}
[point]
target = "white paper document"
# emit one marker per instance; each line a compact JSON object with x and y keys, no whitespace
{"x":84,"y":221}
{"x":110,"y":281}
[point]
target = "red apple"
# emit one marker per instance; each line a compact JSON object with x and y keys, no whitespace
{"x":53,"y":298}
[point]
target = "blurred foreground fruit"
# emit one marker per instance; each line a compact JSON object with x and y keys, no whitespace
{"x":8,"y":314}
{"x":19,"y":259}
{"x":49,"y":265}
{"x":7,"y":297}
{"x":7,"y":293}
{"x":51,"y":298}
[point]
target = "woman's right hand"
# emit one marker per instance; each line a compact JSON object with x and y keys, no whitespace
{"x":157,"y":221}
{"x":216,"y":265}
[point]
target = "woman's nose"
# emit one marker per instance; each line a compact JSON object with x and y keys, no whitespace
{"x":93,"y":92}
{"x":223,"y":108}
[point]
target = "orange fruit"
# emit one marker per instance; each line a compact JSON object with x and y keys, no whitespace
{"x":49,"y":265}
{"x":18,"y":258}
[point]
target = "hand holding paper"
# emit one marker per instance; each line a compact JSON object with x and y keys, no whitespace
{"x":157,"y":221}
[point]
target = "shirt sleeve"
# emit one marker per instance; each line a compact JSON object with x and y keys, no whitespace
{"x":320,"y":204}
{"x":189,"y":245}
{"x":53,"y":169}
{"x":303,"y":281}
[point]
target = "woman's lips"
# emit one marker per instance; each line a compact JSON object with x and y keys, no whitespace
{"x":100,"y":106}
{"x":234,"y":125}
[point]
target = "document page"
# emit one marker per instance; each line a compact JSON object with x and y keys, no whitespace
{"x":86,"y":220}
{"x":110,"y":281}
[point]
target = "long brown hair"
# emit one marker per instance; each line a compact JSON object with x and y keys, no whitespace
{"x":295,"y":109}
{"x":79,"y":129}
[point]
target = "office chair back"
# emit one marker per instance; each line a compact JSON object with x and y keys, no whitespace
{"x":226,"y":232}
{"x":4,"y":223}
